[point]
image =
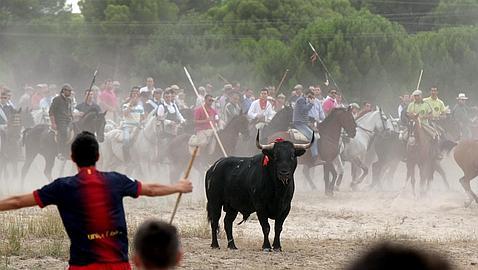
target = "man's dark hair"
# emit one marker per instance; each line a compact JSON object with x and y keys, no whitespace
{"x":157,"y":244}
{"x":392,"y":256}
{"x":85,"y":149}
{"x":265,"y":89}
{"x":208,"y":96}
{"x":309,"y":92}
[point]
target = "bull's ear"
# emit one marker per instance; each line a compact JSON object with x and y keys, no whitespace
{"x":299,"y":152}
{"x":267,"y":152}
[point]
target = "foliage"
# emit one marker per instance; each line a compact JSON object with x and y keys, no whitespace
{"x":372,"y":49}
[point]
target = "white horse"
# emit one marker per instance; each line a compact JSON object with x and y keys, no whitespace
{"x":143,"y":149}
{"x":356,"y":150}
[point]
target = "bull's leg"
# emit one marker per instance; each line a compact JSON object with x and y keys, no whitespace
{"x":214,"y":214}
{"x":266,"y":228}
{"x":278,"y":229}
{"x":228,"y":220}
{"x":465,"y":183}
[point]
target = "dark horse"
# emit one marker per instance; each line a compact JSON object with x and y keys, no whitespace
{"x":328,"y":144}
{"x":41,"y":140}
{"x":10,"y":148}
{"x":178,"y":152}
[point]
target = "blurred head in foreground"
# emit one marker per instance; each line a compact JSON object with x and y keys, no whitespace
{"x":392,"y":256}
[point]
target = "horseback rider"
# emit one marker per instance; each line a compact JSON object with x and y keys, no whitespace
{"x":204,"y":131}
{"x":462,"y":114}
{"x":61,"y":116}
{"x":330,"y":101}
{"x":5,"y":109}
{"x":301,"y":119}
{"x":438,"y":109}
{"x":232,"y":109}
{"x":153,"y":103}
{"x":169,"y":113}
{"x":89,"y":105}
{"x":133,"y":115}
{"x":261,"y":111}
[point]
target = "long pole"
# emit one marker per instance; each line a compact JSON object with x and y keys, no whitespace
{"x":323,"y":65}
{"x":207,"y":114}
{"x":419,"y":79}
{"x":281,"y":81}
{"x":92,"y":82}
{"x":186,"y":175}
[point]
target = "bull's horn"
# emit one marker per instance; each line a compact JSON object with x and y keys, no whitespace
{"x":263,"y":146}
{"x":304,"y":145}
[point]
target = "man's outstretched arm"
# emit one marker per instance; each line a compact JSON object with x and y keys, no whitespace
{"x":17,"y":202}
{"x":182,"y":186}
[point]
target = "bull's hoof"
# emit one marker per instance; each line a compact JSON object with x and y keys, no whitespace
{"x":267,"y":249}
{"x":278,"y":249}
{"x":232,"y":247}
{"x":213,"y":246}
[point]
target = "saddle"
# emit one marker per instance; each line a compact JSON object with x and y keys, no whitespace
{"x":117,"y":135}
{"x":204,"y":139}
{"x":298,"y":137}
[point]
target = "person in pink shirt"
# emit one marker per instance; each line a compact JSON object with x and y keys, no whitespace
{"x":107,"y":98}
{"x":204,"y":131}
{"x":330,"y":102}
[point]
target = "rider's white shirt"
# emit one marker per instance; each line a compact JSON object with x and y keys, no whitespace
{"x":255,"y":110}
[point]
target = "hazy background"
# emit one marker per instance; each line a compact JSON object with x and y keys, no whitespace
{"x":374,"y":49}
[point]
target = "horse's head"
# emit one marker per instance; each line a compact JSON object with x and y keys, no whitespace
{"x":346,"y":119}
{"x":100,"y":124}
{"x":240,"y":124}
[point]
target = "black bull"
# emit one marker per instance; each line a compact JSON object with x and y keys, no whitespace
{"x":263,"y":184}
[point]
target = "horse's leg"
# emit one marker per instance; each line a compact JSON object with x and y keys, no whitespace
{"x":306,"y":171}
{"x":377,"y":172}
{"x":392,"y":168}
{"x":334,"y":178}
{"x":441,"y":172}
{"x":49,"y":162}
{"x":359,"y":164}
{"x":465,"y":183}
{"x":326,"y":178}
{"x":339,"y":168}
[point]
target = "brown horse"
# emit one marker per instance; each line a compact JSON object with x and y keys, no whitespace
{"x":420,"y":153}
{"x":466,"y":156}
{"x":329,"y":130}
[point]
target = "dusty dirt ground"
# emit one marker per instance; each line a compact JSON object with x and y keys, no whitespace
{"x":320,"y":232}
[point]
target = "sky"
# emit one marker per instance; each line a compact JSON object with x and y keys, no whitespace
{"x":74,"y":3}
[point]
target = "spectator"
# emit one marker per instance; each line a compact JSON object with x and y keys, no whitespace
{"x":91,"y":207}
{"x":156,"y":246}
{"x":395,"y":257}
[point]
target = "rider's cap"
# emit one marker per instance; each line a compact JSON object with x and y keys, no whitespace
{"x":417,"y":93}
{"x":462,"y":96}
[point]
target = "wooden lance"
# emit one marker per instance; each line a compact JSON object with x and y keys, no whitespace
{"x":92,"y":83}
{"x":323,"y":65}
{"x":419,"y":79}
{"x":282,"y":81}
{"x":186,"y":176}
{"x":207,"y":114}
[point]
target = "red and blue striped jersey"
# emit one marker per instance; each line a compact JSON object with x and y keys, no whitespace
{"x":91,"y":208}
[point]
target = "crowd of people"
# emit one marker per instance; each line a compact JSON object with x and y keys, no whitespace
{"x":59,"y":107}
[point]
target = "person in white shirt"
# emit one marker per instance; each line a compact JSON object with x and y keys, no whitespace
{"x":261,"y":110}
{"x":169,"y":113}
{"x":149,"y":86}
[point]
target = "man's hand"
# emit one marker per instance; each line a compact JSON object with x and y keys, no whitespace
{"x":184,"y":186}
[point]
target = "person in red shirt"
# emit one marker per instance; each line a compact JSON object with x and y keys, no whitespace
{"x":91,"y":207}
{"x":204,"y":131}
{"x":108,"y":100}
